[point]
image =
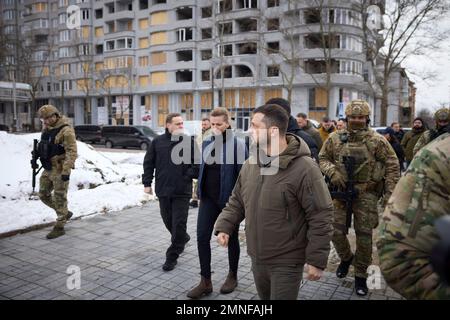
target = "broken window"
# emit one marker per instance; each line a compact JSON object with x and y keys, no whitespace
{"x":273,"y":24}
{"x":184,"y":13}
{"x":159,"y":1}
{"x":246,"y":25}
{"x":207,"y":33}
{"x":206,"y":12}
{"x":227,"y":73}
{"x":225,"y":50}
{"x":224,"y":5}
{"x":184,"y":34}
{"x":247,"y":48}
{"x":206,"y":54}
{"x":225,"y":28}
{"x":273,"y":47}
{"x":184,"y":55}
{"x":99,"y":14}
{"x":246,"y":4}
{"x":184,"y":76}
{"x":243,"y":71}
{"x":317,"y":40}
{"x":99,"y":49}
{"x":273,"y":3}
{"x":312,"y":16}
{"x":206,"y":75}
{"x":273,"y":71}
{"x":143,"y":4}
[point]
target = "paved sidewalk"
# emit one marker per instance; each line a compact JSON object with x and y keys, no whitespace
{"x":120,"y":257}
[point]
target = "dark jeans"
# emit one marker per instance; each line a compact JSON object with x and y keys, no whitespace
{"x":174,"y":212}
{"x":277,"y":282}
{"x":207,"y":216}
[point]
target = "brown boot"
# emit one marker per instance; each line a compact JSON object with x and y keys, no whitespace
{"x":203,"y":288}
{"x":230,"y":283}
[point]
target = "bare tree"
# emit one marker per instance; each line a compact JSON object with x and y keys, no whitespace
{"x":34,"y":56}
{"x":410,"y":29}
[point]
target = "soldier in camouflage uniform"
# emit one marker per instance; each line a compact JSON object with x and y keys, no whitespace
{"x":57,"y":152}
{"x":407,"y":230}
{"x":376,"y":172}
{"x":442,"y":118}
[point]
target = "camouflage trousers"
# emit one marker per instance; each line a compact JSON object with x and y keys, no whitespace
{"x":51,"y":181}
{"x":365,"y":219}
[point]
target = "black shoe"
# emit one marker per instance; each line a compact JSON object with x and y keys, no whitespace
{"x":193,"y":204}
{"x":342,"y":270}
{"x":188,"y":238}
{"x":361,"y":286}
{"x":69,"y":215}
{"x":169,"y":265}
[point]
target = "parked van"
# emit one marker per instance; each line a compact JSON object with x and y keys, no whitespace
{"x":128,"y":136}
{"x":90,"y":133}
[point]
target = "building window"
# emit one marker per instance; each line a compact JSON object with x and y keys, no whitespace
{"x":273,"y":24}
{"x":183,"y":76}
{"x":206,"y":75}
{"x":247,"y":4}
{"x":206,"y":12}
{"x":225,"y":28}
{"x":273,"y":47}
{"x":247,"y":48}
{"x":184,"y":34}
{"x":206,"y":33}
{"x":273,"y":3}
{"x":225,"y":50}
{"x":206,"y":54}
{"x":184,"y":55}
{"x":273,"y":71}
{"x":184,"y":13}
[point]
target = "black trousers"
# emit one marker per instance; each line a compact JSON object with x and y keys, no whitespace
{"x":207,"y":216}
{"x":174,"y":212}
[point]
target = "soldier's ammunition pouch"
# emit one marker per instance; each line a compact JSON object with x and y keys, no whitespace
{"x":47,"y":148}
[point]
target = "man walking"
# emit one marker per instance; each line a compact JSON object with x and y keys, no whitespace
{"x":57,"y":151}
{"x":173,"y":182}
{"x":286,"y":205}
{"x":223,"y":156}
{"x":376,"y":170}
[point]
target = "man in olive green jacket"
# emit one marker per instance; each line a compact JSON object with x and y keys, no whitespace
{"x":287,"y":209}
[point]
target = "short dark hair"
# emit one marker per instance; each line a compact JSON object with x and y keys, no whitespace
{"x":302,"y":115}
{"x":394,"y":123}
{"x":206,"y":119}
{"x":325,"y":119}
{"x":274,"y":116}
{"x":170,"y":117}
{"x":282,"y":103}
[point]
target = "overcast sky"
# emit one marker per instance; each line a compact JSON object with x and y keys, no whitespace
{"x":431,"y":94}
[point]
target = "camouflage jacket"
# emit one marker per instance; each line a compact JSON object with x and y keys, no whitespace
{"x":407,"y":232}
{"x":424,"y":139}
{"x":65,"y":162}
{"x":380,"y":165}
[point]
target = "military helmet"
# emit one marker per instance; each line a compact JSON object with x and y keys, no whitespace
{"x":48,"y":111}
{"x":357,"y":108}
{"x":442,"y":115}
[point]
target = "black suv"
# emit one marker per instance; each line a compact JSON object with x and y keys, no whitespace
{"x":91,"y":133}
{"x":128,"y":136}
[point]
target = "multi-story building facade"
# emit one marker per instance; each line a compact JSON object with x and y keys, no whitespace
{"x":134,"y":61}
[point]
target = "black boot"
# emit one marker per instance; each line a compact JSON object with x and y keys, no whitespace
{"x":342,"y":270}
{"x":361,"y":286}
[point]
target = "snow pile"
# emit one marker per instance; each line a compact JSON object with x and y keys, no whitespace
{"x":101,"y":182}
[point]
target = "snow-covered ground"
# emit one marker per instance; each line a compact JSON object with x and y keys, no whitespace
{"x":101,"y":182}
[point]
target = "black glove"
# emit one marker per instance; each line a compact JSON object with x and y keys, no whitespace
{"x":65,"y":177}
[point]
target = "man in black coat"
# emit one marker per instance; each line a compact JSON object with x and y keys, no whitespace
{"x":295,"y":129}
{"x":172,"y":157}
